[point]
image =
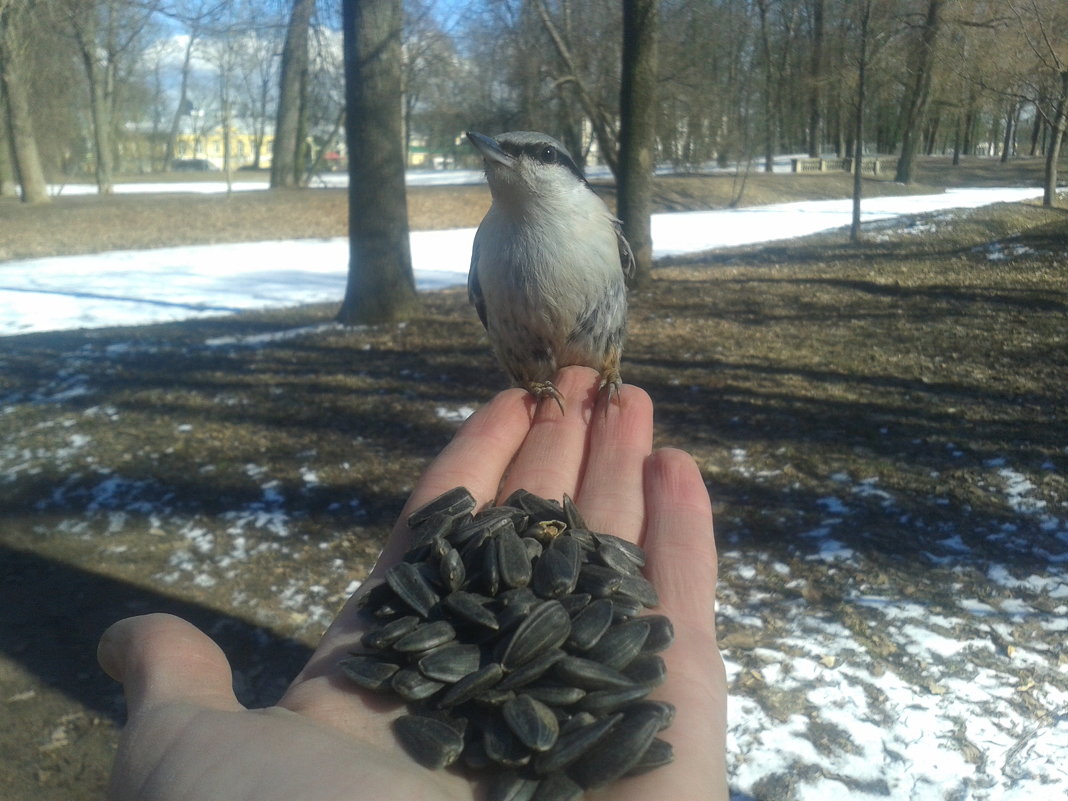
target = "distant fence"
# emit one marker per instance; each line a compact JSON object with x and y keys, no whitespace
{"x":868,"y":166}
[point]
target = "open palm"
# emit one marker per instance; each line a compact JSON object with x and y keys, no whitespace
{"x":187,"y":736}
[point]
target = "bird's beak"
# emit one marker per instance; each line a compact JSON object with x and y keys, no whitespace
{"x":490,"y":150}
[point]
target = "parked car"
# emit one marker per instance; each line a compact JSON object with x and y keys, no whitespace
{"x":193,"y":165}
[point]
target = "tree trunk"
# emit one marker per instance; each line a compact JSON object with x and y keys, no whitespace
{"x":815,"y":82}
{"x":769,"y":117}
{"x":286,"y":169}
{"x":8,"y":183}
{"x":858,"y":135}
{"x":1053,"y":152}
{"x":381,"y":287}
{"x":1009,"y":141}
{"x":184,"y":106}
{"x":637,"y":133}
{"x":98,"y":106}
{"x":915,"y":105}
{"x":23,"y":144}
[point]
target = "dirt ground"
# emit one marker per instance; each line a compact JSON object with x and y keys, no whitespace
{"x":246,"y":481}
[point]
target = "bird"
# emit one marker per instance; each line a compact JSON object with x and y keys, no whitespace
{"x":549,"y":266}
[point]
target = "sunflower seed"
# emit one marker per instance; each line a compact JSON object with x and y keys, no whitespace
{"x":452,"y":570}
{"x":620,"y":644}
{"x":451,"y":663}
{"x":617,"y":753}
{"x":589,"y":624}
{"x":532,"y":546}
{"x":431,"y":743}
{"x":471,"y":685}
{"x":513,"y":563}
{"x":502,"y":745}
{"x":574,"y":744}
{"x":491,"y":567}
{"x":571,"y":514}
{"x":599,"y":581}
{"x":556,"y":695}
{"x":536,"y":507}
{"x":547,"y":626}
{"x":532,"y":722}
{"x":639,"y":588}
{"x":658,"y":754}
{"x":589,"y":675}
{"x":411,"y":685}
{"x":471,"y":608}
{"x":511,"y":786}
{"x":662,"y":709}
{"x":530,"y":655}
{"x":368,"y":672}
{"x":661,"y":633}
{"x":612,"y":555}
{"x":532,"y":670}
{"x":584,"y":538}
{"x":599,"y":702}
{"x":545,"y":531}
{"x":647,"y":669}
{"x":634,"y":552}
{"x":494,"y":697}
{"x":380,"y":639}
{"x":554,"y":575}
{"x":575,"y":602}
{"x":557,"y":787}
{"x":426,"y":636}
{"x":577,"y":721}
{"x":455,"y":502}
{"x":408,"y":583}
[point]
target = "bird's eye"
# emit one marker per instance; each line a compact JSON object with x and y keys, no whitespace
{"x":547,"y":155}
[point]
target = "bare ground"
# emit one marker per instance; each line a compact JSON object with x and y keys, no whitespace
{"x":246,"y":481}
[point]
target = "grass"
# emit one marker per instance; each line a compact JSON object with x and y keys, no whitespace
{"x":142,"y":467}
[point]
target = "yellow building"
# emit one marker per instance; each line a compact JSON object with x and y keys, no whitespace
{"x":210,"y":145}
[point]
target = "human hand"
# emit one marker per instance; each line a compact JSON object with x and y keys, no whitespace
{"x":187,"y":736}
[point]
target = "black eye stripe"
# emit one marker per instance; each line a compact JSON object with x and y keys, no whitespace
{"x":543,"y":153}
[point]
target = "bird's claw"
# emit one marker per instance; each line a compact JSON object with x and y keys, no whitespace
{"x":546,"y":389}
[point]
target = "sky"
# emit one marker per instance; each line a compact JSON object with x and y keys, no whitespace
{"x":169,"y":284}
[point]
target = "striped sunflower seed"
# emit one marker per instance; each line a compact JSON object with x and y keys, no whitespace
{"x":526,"y":654}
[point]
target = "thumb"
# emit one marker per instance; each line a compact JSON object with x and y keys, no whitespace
{"x":161,"y":658}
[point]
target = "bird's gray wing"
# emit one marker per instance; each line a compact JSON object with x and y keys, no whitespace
{"x":626,"y":255}
{"x":474,"y":288}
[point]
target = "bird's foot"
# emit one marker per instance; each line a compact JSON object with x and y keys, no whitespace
{"x":613,"y":382}
{"x":546,"y":389}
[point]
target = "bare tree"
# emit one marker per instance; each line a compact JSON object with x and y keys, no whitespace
{"x":599,"y":117}
{"x":1042,"y":24}
{"x":107,"y":34}
{"x":287,"y":166}
{"x":637,"y":146}
{"x":915,"y":102}
{"x":14,"y":100}
{"x":863,"y":48}
{"x":381,"y":286}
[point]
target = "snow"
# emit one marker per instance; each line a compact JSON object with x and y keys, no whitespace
{"x":169,"y":284}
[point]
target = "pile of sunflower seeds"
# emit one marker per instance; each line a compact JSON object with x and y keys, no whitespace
{"x":515,"y":636}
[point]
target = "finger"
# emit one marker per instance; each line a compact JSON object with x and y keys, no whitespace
{"x":681,"y":563}
{"x":551,"y":458}
{"x":678,"y":539}
{"x":610,"y":496}
{"x":476,"y":458}
{"x":161,"y":658}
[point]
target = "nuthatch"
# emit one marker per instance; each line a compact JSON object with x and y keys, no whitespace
{"x":548,"y":266}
